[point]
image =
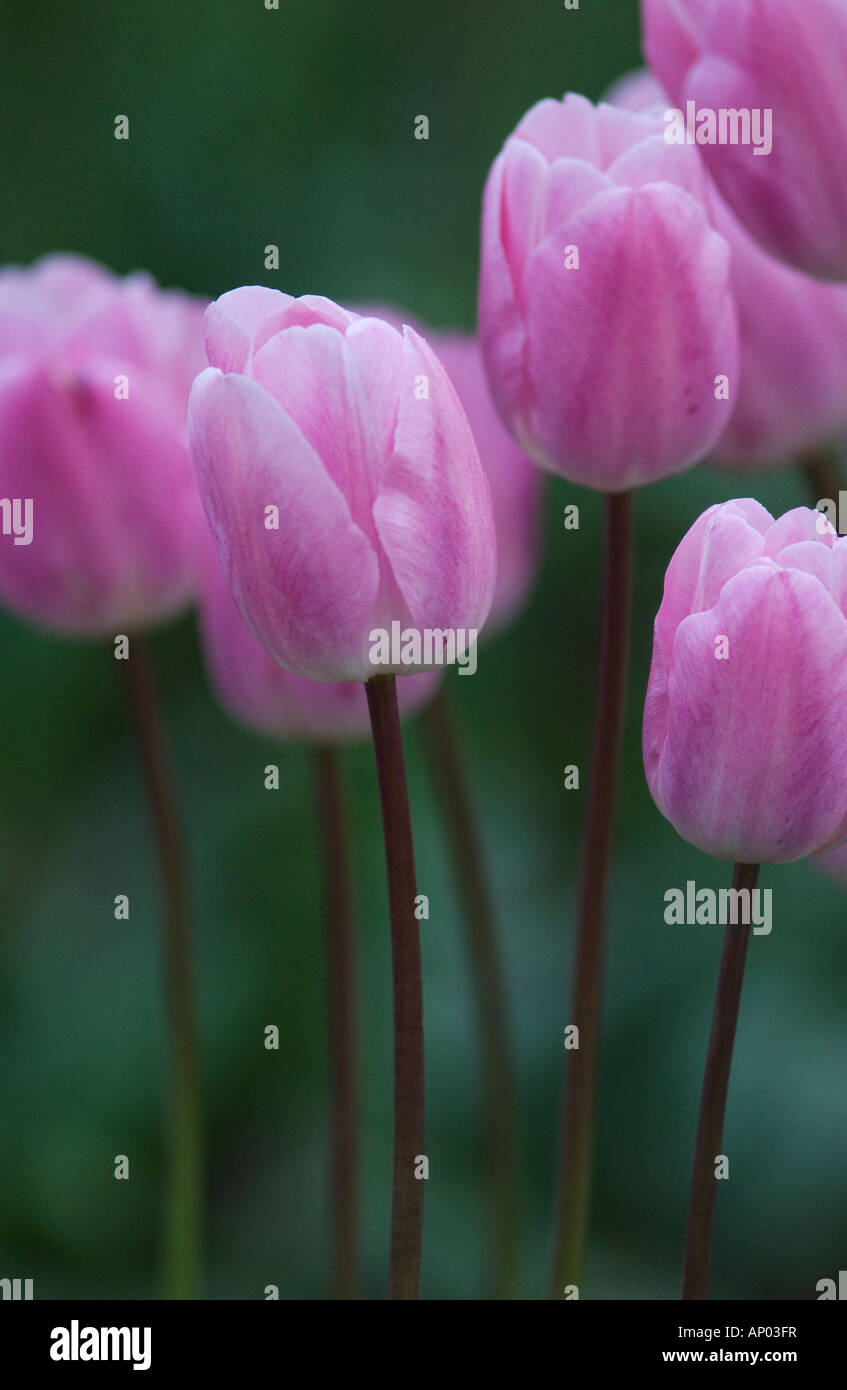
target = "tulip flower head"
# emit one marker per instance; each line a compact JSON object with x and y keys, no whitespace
{"x":781,"y":61}
{"x":606,"y":319}
{"x":94,"y":380}
{"x":341,"y":482}
{"x":745,"y":720}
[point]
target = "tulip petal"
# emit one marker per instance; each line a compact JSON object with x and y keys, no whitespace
{"x":516,"y":485}
{"x":811,"y":558}
{"x":231,"y":323}
{"x":800,"y":524}
{"x":788,"y":59}
{"x":501,"y":329}
{"x":433,"y":513}
{"x":342,"y":392}
{"x":525,"y":178}
{"x":639,"y":91}
{"x":571,"y":186}
{"x":793,"y":391}
{"x":620,"y":132}
{"x":653,"y":161}
{"x":553,"y":126}
{"x":307,"y":590}
{"x":109,"y":549}
{"x":629,"y":413}
{"x":671,"y":43}
{"x":37,"y":305}
{"x":719,"y":544}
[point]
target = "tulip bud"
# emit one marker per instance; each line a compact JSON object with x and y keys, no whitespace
{"x":745,"y":720}
{"x":607,"y":325}
{"x":262,"y":695}
{"x":341,"y":482}
{"x":755,"y":64}
{"x":94,"y":381}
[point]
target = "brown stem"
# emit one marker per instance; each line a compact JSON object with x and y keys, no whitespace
{"x":407,"y":1189}
{"x":183,"y":1228}
{"x":342,"y":1022}
{"x":577,"y":1126}
{"x":707,"y":1146}
{"x":487,"y":976}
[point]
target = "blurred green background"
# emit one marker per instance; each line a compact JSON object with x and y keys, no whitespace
{"x":295,"y":127}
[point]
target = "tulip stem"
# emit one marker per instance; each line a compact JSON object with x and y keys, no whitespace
{"x":487,"y":975}
{"x":342,"y":1021}
{"x":407,"y":1187}
{"x":578,"y":1101}
{"x":183,"y":1222}
{"x":707,"y":1146}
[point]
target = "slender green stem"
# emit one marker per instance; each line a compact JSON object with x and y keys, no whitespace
{"x":341,"y":975}
{"x":183,"y":1223}
{"x":707,"y":1146}
{"x":407,"y":1189}
{"x":577,"y":1127}
{"x":487,"y":976}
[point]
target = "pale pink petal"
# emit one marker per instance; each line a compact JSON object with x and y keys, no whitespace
{"x":433,"y":513}
{"x":307,"y":589}
{"x":233,"y":323}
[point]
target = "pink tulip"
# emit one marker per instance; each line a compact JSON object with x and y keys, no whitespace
{"x":515,"y":483}
{"x":260,"y":694}
{"x":341,"y":481}
{"x":94,"y":381}
{"x":786,"y":58}
{"x":608,"y":368}
{"x":792,"y":388}
{"x":745,"y":721}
